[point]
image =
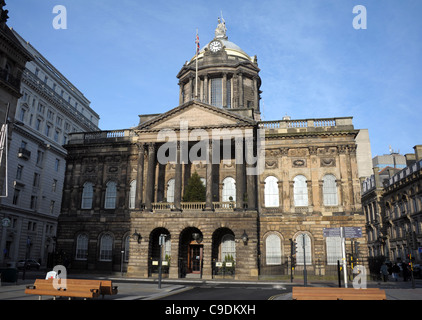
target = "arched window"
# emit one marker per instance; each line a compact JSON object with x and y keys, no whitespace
{"x":81,"y":247}
{"x":229,"y":189}
{"x":170,"y":191}
{"x":271,"y":192}
{"x":110,"y":197}
{"x":106,"y":247}
{"x":273,"y":250}
{"x":299,"y":252}
{"x":228,"y":248}
{"x":87,"y":196}
{"x":300,"y":190}
{"x":330,"y":190}
{"x":132,"y":195}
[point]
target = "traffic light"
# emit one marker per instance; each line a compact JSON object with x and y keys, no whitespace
{"x":293,"y":247}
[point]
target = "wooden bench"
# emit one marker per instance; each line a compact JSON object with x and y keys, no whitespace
{"x":324,"y":293}
{"x":75,"y":288}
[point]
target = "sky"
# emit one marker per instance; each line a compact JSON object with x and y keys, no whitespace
{"x":124,"y":57}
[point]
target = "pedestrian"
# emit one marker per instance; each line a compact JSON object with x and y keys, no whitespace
{"x":395,"y":271}
{"x":384,"y":272}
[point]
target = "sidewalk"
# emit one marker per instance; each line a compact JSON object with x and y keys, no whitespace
{"x":147,"y":289}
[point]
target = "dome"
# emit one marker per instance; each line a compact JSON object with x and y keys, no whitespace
{"x":230,"y":48}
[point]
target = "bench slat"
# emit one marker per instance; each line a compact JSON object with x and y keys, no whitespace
{"x":325,"y":293}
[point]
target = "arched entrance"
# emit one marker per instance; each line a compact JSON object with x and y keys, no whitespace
{"x":154,"y":252}
{"x":223,"y":253}
{"x":190,"y":253}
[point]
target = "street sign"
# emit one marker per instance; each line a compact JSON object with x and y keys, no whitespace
{"x":349,"y":232}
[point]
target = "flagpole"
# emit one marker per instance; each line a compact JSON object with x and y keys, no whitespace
{"x":196,"y":67}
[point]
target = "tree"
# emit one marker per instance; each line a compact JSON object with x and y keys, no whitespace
{"x":195,"y":190}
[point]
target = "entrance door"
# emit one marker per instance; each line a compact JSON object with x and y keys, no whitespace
{"x":195,"y":258}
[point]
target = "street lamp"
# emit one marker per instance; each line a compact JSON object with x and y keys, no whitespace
{"x":137,"y":236}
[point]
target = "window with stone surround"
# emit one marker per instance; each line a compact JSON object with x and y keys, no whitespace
{"x":110,"y":197}
{"x":300,"y":191}
{"x":81,"y":247}
{"x":132,"y":194}
{"x":87,"y":196}
{"x":106,"y":247}
{"x":273,"y":250}
{"x":271,"y":192}
{"x":308,"y":247}
{"x":329,"y":190}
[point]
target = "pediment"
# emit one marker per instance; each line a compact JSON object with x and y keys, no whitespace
{"x":195,"y":114}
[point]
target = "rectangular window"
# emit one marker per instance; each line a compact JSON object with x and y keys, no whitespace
{"x":229,"y":93}
{"x":16,"y":195}
{"x":216,"y":92}
{"x":333,"y":250}
{"x":19,"y":172}
{"x":33,"y":204}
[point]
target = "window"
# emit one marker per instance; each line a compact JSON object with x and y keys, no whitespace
{"x":54,"y":185}
{"x":273,"y":250}
{"x":170,"y":191}
{"x":300,"y":191}
{"x":82,"y":247}
{"x":52,"y":204}
{"x":299,"y":253}
{"x":216,"y":92}
{"x":228,"y":248}
{"x":33,"y":204}
{"x":36,"y":182}
{"x":19,"y":171}
{"x":40,"y":156}
{"x":271,"y":192}
{"x":229,"y":189}
{"x":87,"y":195}
{"x":47,"y":130}
{"x":229,"y":93}
{"x":110,"y":198}
{"x":56,"y":165}
{"x":132,"y":195}
{"x":333,"y":250}
{"x":106,"y":247}
{"x":330,"y":190}
{"x":16,"y":195}
{"x":22,"y":115}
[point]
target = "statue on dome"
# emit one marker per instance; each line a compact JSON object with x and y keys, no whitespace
{"x":220,"y":32}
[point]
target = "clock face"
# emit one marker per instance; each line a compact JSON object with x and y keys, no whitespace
{"x":215,"y":46}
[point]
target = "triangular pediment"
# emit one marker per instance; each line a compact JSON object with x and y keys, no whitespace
{"x":196,"y":114}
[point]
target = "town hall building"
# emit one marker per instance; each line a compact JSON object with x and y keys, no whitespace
{"x":265,"y":185}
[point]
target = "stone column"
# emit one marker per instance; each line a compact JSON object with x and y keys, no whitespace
{"x":240,"y":174}
{"x":256,"y":98}
{"x":205,"y":97}
{"x":240,"y":84}
{"x":251,"y":179}
{"x":140,"y":177}
{"x":208,"y":194}
{"x":224,"y":102}
{"x":178,"y":180}
{"x":206,"y":258}
{"x":150,"y":177}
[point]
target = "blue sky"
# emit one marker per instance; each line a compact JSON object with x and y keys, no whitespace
{"x":125,"y":55}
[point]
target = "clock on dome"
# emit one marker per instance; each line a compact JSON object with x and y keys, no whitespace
{"x":215,"y":46}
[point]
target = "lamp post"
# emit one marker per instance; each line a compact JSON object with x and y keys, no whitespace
{"x":305,"y":275}
{"x":161,"y":242}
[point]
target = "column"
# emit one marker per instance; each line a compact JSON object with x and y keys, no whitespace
{"x":208,"y":194}
{"x":224,"y":102}
{"x":150,"y":177}
{"x":255,"y":85}
{"x":240,"y":84}
{"x":205,"y":97}
{"x":139,"y":177}
{"x":178,"y":180}
{"x":251,"y":179}
{"x":240,"y":173}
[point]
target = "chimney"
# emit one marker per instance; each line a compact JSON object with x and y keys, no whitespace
{"x":418,"y":152}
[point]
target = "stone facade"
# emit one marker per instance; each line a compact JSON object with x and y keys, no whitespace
{"x":268,"y":182}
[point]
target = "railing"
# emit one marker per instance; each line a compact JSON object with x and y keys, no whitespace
{"x":305,"y":123}
{"x":194,"y":206}
{"x":405,"y":172}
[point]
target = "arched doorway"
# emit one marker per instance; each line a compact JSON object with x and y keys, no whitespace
{"x":223,"y":253}
{"x":190,"y":252}
{"x":154,"y":252}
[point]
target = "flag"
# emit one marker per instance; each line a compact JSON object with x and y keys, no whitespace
{"x":197,"y":43}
